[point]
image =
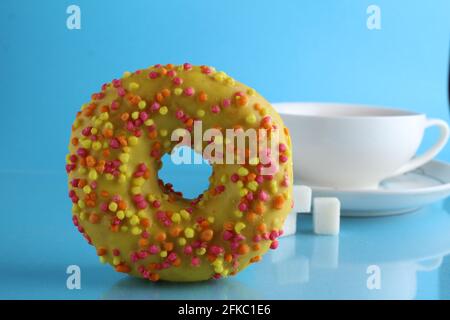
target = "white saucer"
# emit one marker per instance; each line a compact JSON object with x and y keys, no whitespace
{"x":405,"y":193}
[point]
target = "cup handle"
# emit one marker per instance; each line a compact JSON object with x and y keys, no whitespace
{"x":432,"y":152}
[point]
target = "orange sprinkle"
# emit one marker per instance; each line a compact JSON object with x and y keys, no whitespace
{"x":165,"y":92}
{"x":175,"y":231}
{"x":176,"y":262}
{"x":256,"y":247}
{"x":243,"y":249}
{"x":168,"y":246}
{"x":228,"y":226}
{"x":104,"y":194}
{"x":143,"y":243}
{"x":262,"y":227}
{"x":206,"y":235}
{"x":101,"y":251}
{"x":123,"y":268}
{"x":154,"y":277}
{"x":202,"y":96}
{"x":75,"y":141}
{"x":122,"y":205}
{"x":161,"y":236}
{"x":228,"y":257}
{"x":278,"y":202}
{"x":146,"y":223}
{"x":94,"y":218}
{"x":124,"y":116}
{"x":90,"y":161}
{"x":251,"y":216}
{"x":255,"y":259}
{"x":106,"y":153}
{"x":159,"y":97}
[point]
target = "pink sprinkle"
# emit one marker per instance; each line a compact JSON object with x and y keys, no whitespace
{"x":263,"y":196}
{"x":274,"y":244}
{"x":243,"y":206}
{"x":195,"y":261}
{"x":138,"y":198}
{"x":249,"y":196}
{"x":226,"y":103}
{"x":188,"y":250}
{"x":171,"y":73}
{"x":257,"y":238}
{"x":142,"y":167}
{"x":143,"y":116}
{"x":283,"y":158}
{"x":187,"y":66}
{"x":282,"y":147}
{"x":215,"y":108}
{"x":121,"y":91}
{"x":153,"y":249}
{"x":189,"y":91}
{"x":227,"y":235}
{"x":155,"y":106}
{"x":114,"y":143}
{"x":179,"y":114}
{"x":234,"y":177}
{"x":215,"y":250}
{"x":172,"y":256}
{"x":259,"y":179}
{"x":142,"y":204}
{"x":114,"y":105}
{"x":153,"y":75}
{"x":273,"y":235}
{"x":177,"y":81}
{"x":156,"y":204}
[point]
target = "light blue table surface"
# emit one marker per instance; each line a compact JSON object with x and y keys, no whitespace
{"x":411,"y":251}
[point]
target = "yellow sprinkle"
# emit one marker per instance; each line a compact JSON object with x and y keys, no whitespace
{"x":122,"y":178}
{"x":126,"y":74}
{"x":211,"y":219}
{"x":163,"y":132}
{"x":142,"y":214}
{"x":220,"y":76}
{"x":120,"y":215}
{"x":149,"y":122}
{"x":112,"y":206}
{"x":96,"y":145}
{"x":124,"y":157}
{"x":239,"y":227}
{"x":251,"y":92}
{"x":93,"y":174}
{"x":273,"y":187}
{"x":189,"y":233}
{"x":133,"y":86}
{"x":136,"y":190}
{"x":133,"y":140}
{"x":104,"y":116}
{"x":87,"y":189}
{"x":129,"y":213}
{"x":138,"y":181}
{"x":185,"y":215}
{"x":83,"y":215}
{"x":142,"y":104}
{"x":136,"y":231}
{"x":242,"y":171}
{"x":176,"y":218}
{"x":218,"y":269}
{"x":200,"y":251}
{"x":163,"y":254}
{"x":250,"y":119}
{"x":240,"y":184}
{"x":135,"y":115}
{"x":116,"y":261}
{"x":163,"y":110}
{"x":252,"y":185}
{"x":178,"y":91}
{"x":243,"y":192}
{"x":182,"y":241}
{"x":86,"y":143}
{"x":102,"y":259}
{"x":200,"y":113}
{"x":134,"y":220}
{"x":124,"y":228}
{"x":238,"y":213}
{"x":224,"y":178}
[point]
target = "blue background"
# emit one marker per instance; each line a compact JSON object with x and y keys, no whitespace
{"x":288,"y":50}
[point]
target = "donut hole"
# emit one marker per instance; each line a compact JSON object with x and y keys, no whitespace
{"x":190,"y":177}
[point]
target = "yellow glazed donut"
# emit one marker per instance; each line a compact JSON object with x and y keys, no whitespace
{"x":142,"y":226}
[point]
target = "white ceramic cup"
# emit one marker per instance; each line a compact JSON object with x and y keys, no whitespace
{"x":347,"y":146}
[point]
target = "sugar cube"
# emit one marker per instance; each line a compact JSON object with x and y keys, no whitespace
{"x":302,"y":198}
{"x":326,"y":215}
{"x":290,"y":224}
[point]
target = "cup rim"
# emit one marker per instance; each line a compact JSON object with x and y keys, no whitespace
{"x":379,"y":112}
